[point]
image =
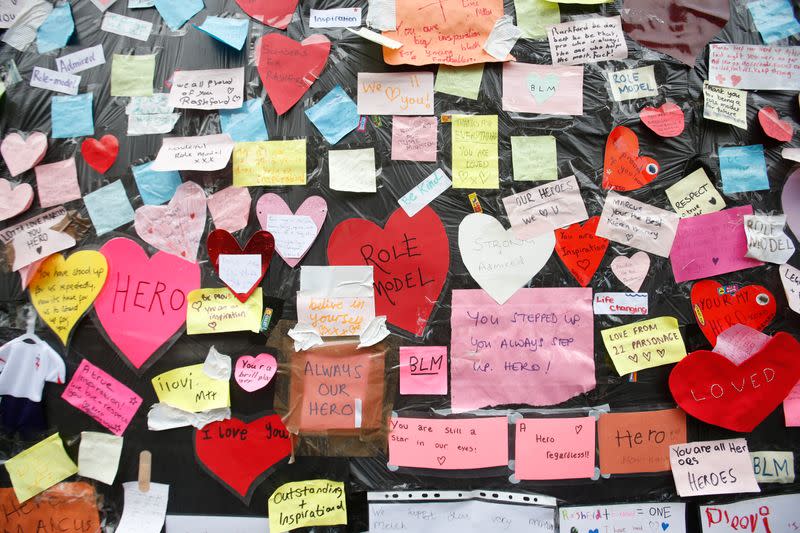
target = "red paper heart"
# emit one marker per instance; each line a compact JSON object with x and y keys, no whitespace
{"x":625,"y":170}
{"x":773,"y":125}
{"x":288,"y":68}
{"x":100,"y":155}
{"x":222,"y":242}
{"x":240,"y":454}
{"x":713,"y":389}
{"x":716,"y":311}
{"x":581,"y":250}
{"x":667,"y":120}
{"x":410,"y":256}
{"x":275,"y":13}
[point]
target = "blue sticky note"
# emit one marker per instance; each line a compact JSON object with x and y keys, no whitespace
{"x":109,"y":207}
{"x":743,"y":169}
{"x":72,"y":116}
{"x":154,"y":186}
{"x":774,"y":19}
{"x":335,"y":115}
{"x":230,"y":31}
{"x":56,"y":29}
{"x":245,"y":124}
{"x":176,"y":12}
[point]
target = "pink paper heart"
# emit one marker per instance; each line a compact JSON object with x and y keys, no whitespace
{"x":175,"y":228}
{"x":771,"y":123}
{"x":230,"y":208}
{"x":14,"y":201}
{"x":314,"y":207}
{"x":142,"y":306}
{"x":631,"y":271}
{"x":667,"y":120}
{"x":253,"y":373}
{"x":23,"y":154}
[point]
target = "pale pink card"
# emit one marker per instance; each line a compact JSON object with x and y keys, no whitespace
{"x":414,"y":138}
{"x":57,"y":183}
{"x":423,"y":370}
{"x":711,"y":244}
{"x":448,"y":444}
{"x":535,"y":349}
{"x":102,"y":397}
{"x":555,"y":448}
{"x":545,"y":208}
{"x":545,"y":89}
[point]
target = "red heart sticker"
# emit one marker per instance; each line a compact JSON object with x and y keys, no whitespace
{"x":715,"y":309}
{"x":773,"y":125}
{"x":240,"y":454}
{"x":667,"y":120}
{"x":100,"y":155}
{"x":713,"y":389}
{"x":221,"y":242}
{"x":410,"y":256}
{"x":275,"y":13}
{"x":288,"y":68}
{"x":625,"y":170}
{"x":581,"y":250}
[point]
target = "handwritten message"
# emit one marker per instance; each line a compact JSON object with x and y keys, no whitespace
{"x":790,"y":278}
{"x":423,"y":370}
{"x":9,"y":10}
{"x":534,"y":158}
{"x":725,"y":105}
{"x":209,"y":152}
{"x":695,"y":195}
{"x":587,"y":41}
{"x":555,"y":448}
{"x":240,"y":272}
{"x":773,"y":467}
{"x":644,"y":344}
{"x":529,"y":88}
{"x":475,"y":159}
{"x":639,"y":441}
{"x":70,"y":507}
{"x":220,"y":311}
{"x":759,"y":515}
{"x":744,"y":66}
{"x":293,"y":234}
{"x":414,"y":138}
{"x":431,"y":187}
{"x":336,"y":301}
{"x":545,"y":208}
{"x":766,"y":240}
{"x":269,"y":163}
{"x":620,"y":303}
{"x":349,"y":17}
{"x":207,"y":89}
{"x":127,"y":26}
{"x":395,"y":93}
{"x":190,"y":389}
{"x":99,"y":395}
{"x":633,"y":83}
{"x":81,"y":60}
{"x":451,"y":444}
{"x":636,"y":224}
{"x":625,"y":518}
{"x":300,"y":504}
{"x":712,"y":467}
{"x":536,"y":349}
{"x":35,"y":238}
{"x":39,"y":467}
{"x":52,"y":80}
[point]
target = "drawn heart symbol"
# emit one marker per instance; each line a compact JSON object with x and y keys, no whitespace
{"x":579,"y":246}
{"x":241,"y":452}
{"x":542,"y":88}
{"x":773,"y":125}
{"x":254,"y":373}
{"x":631,"y":271}
{"x":594,"y":530}
{"x":715,"y":260}
{"x":142,"y":306}
{"x":496,"y":260}
{"x":222,"y":242}
{"x":175,"y":228}
{"x":578,"y":429}
{"x":411,"y":259}
{"x":275,"y":13}
{"x":197,"y":305}
{"x":735,"y":80}
{"x":313,"y":207}
{"x":100,"y":155}
{"x":716,"y":311}
{"x":713,"y":389}
{"x":38,"y":250}
{"x":667,"y":120}
{"x":625,"y":170}
{"x":392,"y":93}
{"x":288,"y":68}
{"x":664,"y":526}
{"x":712,"y":201}
{"x":14,"y":201}
{"x":23,"y":154}
{"x":679,"y":29}
{"x":441,"y":460}
{"x":212,"y":325}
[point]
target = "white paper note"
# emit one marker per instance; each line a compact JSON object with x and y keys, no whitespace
{"x":345,"y":17}
{"x":81,"y":60}
{"x":352,"y":170}
{"x":240,"y":271}
{"x":216,"y":524}
{"x":587,"y":41}
{"x":293,"y":234}
{"x":766,"y":240}
{"x":545,"y":208}
{"x":144,"y":512}
{"x":207,"y":89}
{"x":9,"y":9}
{"x":633,"y":83}
{"x":742,"y":66}
{"x":98,"y":456}
{"x":712,"y":467}
{"x":27,"y":22}
{"x":636,"y":224}
{"x":395,"y":93}
{"x":503,"y":38}
{"x":127,"y":26}
{"x":725,"y":105}
{"x":52,"y":80}
{"x":431,"y":187}
{"x":625,"y":518}
{"x":772,"y":515}
{"x":620,"y":303}
{"x":210,"y":152}
{"x":382,"y":15}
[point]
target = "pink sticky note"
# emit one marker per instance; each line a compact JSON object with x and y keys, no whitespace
{"x":555,"y":448}
{"x":535,"y":349}
{"x":711,"y":244}
{"x":529,"y":88}
{"x":414,"y":138}
{"x":57,"y":183}
{"x":423,"y":370}
{"x":102,"y":397}
{"x":230,"y":208}
{"x":452,"y":444}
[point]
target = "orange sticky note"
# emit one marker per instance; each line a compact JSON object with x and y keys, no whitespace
{"x":555,"y":448}
{"x":71,"y":506}
{"x":639,"y":442}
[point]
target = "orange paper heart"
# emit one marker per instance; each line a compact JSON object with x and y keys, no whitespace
{"x":625,"y":169}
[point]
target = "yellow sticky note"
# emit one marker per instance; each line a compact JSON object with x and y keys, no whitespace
{"x":459,"y":81}
{"x":695,"y":195}
{"x":644,"y":344}
{"x":269,"y":163}
{"x":62,"y":290}
{"x":534,"y":158}
{"x":317,"y":502}
{"x":40,"y":467}
{"x":219,"y":311}
{"x":191,"y":389}
{"x":534,"y":16}
{"x":132,"y":75}
{"x":475,"y":152}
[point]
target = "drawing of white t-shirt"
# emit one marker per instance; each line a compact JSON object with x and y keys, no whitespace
{"x":24,"y":367}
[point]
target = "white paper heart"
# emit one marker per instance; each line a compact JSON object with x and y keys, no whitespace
{"x":14,"y":201}
{"x":500,"y":263}
{"x":314,"y":207}
{"x":23,"y":154}
{"x":175,"y":228}
{"x":790,"y":276}
{"x":631,"y":271}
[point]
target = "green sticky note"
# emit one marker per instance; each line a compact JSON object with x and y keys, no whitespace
{"x":534,"y":158}
{"x":534,"y":16}
{"x":460,"y":81}
{"x":132,"y":75}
